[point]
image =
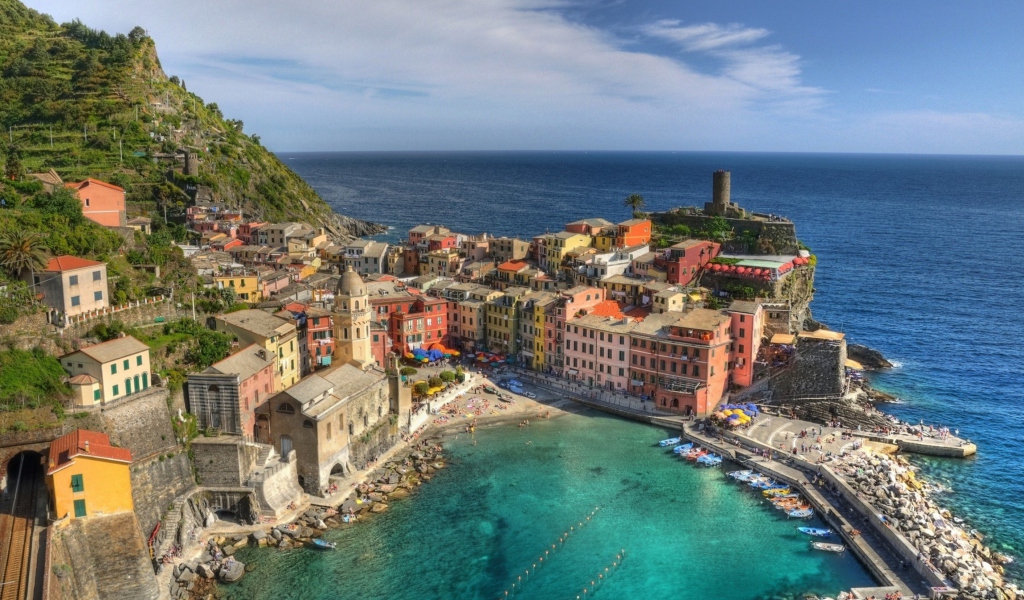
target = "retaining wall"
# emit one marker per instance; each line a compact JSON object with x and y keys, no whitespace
{"x":155,"y":485}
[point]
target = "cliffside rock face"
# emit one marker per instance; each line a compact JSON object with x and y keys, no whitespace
{"x":871,"y":359}
{"x":104,"y":557}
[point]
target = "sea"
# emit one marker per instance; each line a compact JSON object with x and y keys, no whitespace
{"x":920,"y":257}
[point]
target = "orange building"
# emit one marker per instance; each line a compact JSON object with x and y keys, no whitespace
{"x":86,"y":476}
{"x":634,"y":232}
{"x":102,"y":202}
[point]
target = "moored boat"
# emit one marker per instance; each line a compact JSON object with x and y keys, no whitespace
{"x":816,"y":532}
{"x":320,"y":544}
{"x":741,"y":475}
{"x":801,"y":513}
{"x":669,"y":442}
{"x":683,"y":448}
{"x":828,"y":547}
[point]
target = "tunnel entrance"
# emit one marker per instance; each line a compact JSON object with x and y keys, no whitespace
{"x":22,"y":509}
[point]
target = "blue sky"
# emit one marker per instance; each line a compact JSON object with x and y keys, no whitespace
{"x":909,"y":76}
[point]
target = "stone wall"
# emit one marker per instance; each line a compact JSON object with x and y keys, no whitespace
{"x":103,"y":557}
{"x":224,"y":461}
{"x":155,"y":485}
{"x":372,"y":443}
{"x":818,"y":371}
{"x":774,"y":237}
{"x":141,"y":423}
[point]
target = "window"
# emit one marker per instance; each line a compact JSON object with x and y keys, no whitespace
{"x":97,"y":275}
{"x":351,"y":428}
{"x":76,"y":301}
{"x":125,"y":363}
{"x":696,"y":371}
{"x":329,"y":431}
{"x":286,"y":408}
{"x":307,"y":424}
{"x":620,"y":371}
{"x":742,"y":332}
{"x":97,"y":296}
{"x":79,"y":508}
{"x":96,"y":395}
{"x":116,"y":392}
{"x":622,"y":355}
{"x":77,"y":485}
{"x":73,"y":280}
{"x":741,"y":348}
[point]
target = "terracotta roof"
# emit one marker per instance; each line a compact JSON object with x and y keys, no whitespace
{"x":608,"y":308}
{"x":113,"y":349}
{"x":70,"y":263}
{"x":65,"y":448}
{"x":82,"y":379}
{"x":80,"y":184}
{"x":513,"y":265}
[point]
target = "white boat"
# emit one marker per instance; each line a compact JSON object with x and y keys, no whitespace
{"x":709,"y":460}
{"x":669,"y":442}
{"x":801,"y":513}
{"x":741,"y":475}
{"x":682,"y":448}
{"x":828,"y":547}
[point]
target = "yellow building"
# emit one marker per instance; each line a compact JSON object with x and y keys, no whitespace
{"x":605,"y":240}
{"x":86,"y":476}
{"x":559,"y":244}
{"x":502,"y":321}
{"x":274,"y":334}
{"x":246,"y":286}
{"x":540,"y":310}
{"x":109,"y":371}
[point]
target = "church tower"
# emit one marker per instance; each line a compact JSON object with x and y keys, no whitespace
{"x":352,"y":321}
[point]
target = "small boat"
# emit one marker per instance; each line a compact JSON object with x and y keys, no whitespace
{"x":490,"y":390}
{"x":682,"y":448}
{"x":781,"y":491}
{"x":801,"y":513}
{"x":669,"y":442}
{"x":815,"y":531}
{"x":828,"y":547}
{"x":740,"y":475}
{"x":709,"y":460}
{"x":320,"y":544}
{"x":693,"y":455}
{"x":763,"y":484}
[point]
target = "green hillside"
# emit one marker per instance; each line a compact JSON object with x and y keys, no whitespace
{"x":88,"y":104}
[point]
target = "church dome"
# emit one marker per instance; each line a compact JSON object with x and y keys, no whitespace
{"x":351,"y":284}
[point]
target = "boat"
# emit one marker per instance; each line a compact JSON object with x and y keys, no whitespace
{"x":683,"y":448}
{"x":764,"y":484}
{"x":670,"y":442}
{"x":696,"y":453}
{"x":740,"y":475}
{"x":779,"y":491}
{"x":828,"y":547}
{"x":801,"y":513}
{"x":709,"y":460}
{"x":490,"y":390}
{"x":815,"y":531}
{"x":319,"y":544}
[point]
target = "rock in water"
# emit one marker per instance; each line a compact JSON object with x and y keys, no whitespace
{"x":232,"y":571}
{"x":871,"y":359}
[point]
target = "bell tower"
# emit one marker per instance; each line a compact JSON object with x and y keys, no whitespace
{"x":352,"y":318}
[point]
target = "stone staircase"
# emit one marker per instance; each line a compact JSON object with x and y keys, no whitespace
{"x":169,"y":528}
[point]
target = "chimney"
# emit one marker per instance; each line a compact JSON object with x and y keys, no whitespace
{"x":87,"y":446}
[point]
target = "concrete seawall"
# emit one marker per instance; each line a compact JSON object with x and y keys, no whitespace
{"x":927,"y":446}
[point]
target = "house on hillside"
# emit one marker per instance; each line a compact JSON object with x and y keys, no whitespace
{"x":71,"y":285}
{"x":106,"y":372}
{"x":86,"y":476}
{"x":102,"y":202}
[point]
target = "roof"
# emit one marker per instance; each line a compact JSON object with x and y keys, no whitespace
{"x":66,"y":448}
{"x":608,"y":308}
{"x":647,"y":257}
{"x":513,"y":265}
{"x":335,"y":385}
{"x":565,"y":235}
{"x":593,"y":222}
{"x":89,"y":180}
{"x":70,"y":263}
{"x":604,"y":323}
{"x":258,"y":322}
{"x":83,"y":379}
{"x":112,"y":350}
{"x":744,"y":306}
{"x":783,"y":339}
{"x":689,"y":244}
{"x":852,"y":364}
{"x":704,"y":319}
{"x":140,"y":221}
{"x":632,"y":222}
{"x":51,"y":177}
{"x":245,"y":363}
{"x":822,"y":334}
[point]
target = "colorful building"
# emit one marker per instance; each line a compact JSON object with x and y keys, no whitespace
{"x":634,"y":232}
{"x":72,"y":285}
{"x":683,"y":261}
{"x":102,"y":202}
{"x":275,"y":335}
{"x":87,"y":477}
{"x":424,"y":325}
{"x":568,"y":304}
{"x":109,"y":371}
{"x":590,"y":227}
{"x":597,"y":347}
{"x":502,"y":321}
{"x":228,"y":395}
{"x":559,"y":244}
{"x":748,"y":320}
{"x":315,"y":328}
{"x":246,"y":285}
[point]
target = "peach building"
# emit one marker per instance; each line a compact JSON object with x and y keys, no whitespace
{"x":564,"y":308}
{"x":102,"y":202}
{"x":597,"y":347}
{"x":747,"y":334}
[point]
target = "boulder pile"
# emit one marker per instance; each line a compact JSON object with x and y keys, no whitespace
{"x":890,"y":486}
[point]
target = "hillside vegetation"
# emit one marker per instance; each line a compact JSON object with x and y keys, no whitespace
{"x":89,"y":104}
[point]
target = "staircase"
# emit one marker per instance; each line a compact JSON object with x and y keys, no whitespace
{"x":169,"y":528}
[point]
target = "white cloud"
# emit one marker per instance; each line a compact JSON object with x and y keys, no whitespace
{"x":706,"y":36}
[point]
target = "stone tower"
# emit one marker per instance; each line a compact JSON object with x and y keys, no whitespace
{"x":401,"y":394}
{"x":720,"y":200}
{"x":191,"y":163}
{"x":352,"y":317}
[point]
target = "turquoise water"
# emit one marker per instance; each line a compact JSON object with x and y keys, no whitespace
{"x":488,"y":517}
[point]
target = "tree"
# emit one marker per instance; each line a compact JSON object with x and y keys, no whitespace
{"x":63,"y":202}
{"x":447,"y":376}
{"x":635,"y":202}
{"x":13,"y":168}
{"x":20,"y":251}
{"x":407,"y":371}
{"x":420,"y":389}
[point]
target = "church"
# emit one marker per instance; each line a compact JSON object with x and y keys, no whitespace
{"x":338,"y":419}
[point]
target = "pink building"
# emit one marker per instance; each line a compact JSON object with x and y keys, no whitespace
{"x":747,"y":334}
{"x":597,"y":347}
{"x":247,"y":231}
{"x":229,"y":394}
{"x":569,"y":303}
{"x":683,"y":261}
{"x":102,"y":202}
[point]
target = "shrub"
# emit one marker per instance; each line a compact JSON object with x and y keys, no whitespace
{"x":420,"y":389}
{"x":407,"y":371}
{"x":19,"y":426}
{"x":447,"y":376}
{"x":8,"y":314}
{"x":435,"y":382}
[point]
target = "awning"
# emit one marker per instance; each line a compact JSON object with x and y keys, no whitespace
{"x":783,"y":338}
{"x":572,"y":371}
{"x":852,"y":364}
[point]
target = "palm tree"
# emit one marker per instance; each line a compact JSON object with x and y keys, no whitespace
{"x":20,"y":251}
{"x":635,"y":202}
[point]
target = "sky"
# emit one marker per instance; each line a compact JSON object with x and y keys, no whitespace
{"x":915,"y":76}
